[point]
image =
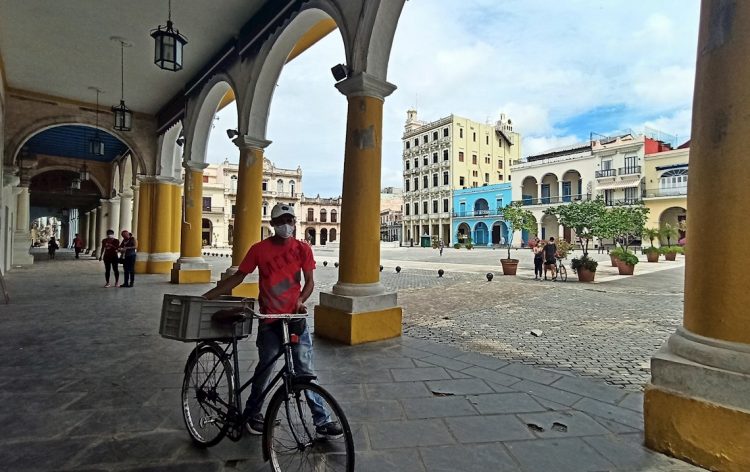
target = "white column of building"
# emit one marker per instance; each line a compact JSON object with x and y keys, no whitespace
{"x":21,"y":235}
{"x":538,"y":193}
{"x":559,"y":191}
{"x":134,"y":216}
{"x":96,"y":223}
{"x":85,"y":230}
{"x":126,"y":212}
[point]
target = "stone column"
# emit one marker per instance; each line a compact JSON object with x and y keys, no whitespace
{"x":697,"y":406}
{"x":114,"y":215}
{"x":98,"y":212}
{"x":358,"y":309}
{"x":161,"y":257}
{"x":143,"y":223}
{"x":85,"y":231}
{"x":21,"y":234}
{"x":247,"y":221}
{"x":91,"y":235}
{"x":191,"y":267}
{"x":126,"y":212}
{"x":538,"y":194}
{"x":136,"y":201}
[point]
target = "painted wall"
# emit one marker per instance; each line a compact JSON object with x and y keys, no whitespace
{"x":666,"y":200}
{"x":477,"y":213}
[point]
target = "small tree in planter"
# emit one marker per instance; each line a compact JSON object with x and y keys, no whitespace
{"x":518,"y":219}
{"x":586,"y":219}
{"x":469,"y":243}
{"x":669,"y":232}
{"x":652,"y":253}
{"x":629,"y":222}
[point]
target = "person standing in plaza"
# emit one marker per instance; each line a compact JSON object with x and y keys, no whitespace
{"x":280,"y":260}
{"x":108,"y":254}
{"x":52,"y":246}
{"x":441,"y":245}
{"x":128,"y":248}
{"x":550,"y":258}
{"x":538,"y":248}
{"x":77,"y":245}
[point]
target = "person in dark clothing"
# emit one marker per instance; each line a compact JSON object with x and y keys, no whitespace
{"x":77,"y":245}
{"x":127,"y":249}
{"x":550,"y":258}
{"x":110,"y":244}
{"x":52,"y":246}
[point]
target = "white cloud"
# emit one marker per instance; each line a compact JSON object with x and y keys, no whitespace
{"x":536,"y":145}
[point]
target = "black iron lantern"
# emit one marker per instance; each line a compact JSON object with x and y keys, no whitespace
{"x":123,"y":115}
{"x":96,"y":145}
{"x":84,"y":173}
{"x":168,"y":43}
{"x":75,"y":184}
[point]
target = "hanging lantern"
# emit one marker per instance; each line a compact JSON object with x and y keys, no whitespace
{"x":123,"y":115}
{"x":84,"y":174}
{"x":96,"y":145}
{"x":75,"y":184}
{"x":168,"y":43}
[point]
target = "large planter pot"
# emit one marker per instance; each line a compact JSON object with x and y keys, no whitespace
{"x":509,"y":266}
{"x":652,"y":256}
{"x":624,"y":268}
{"x":614,"y":260}
{"x":585,"y":275}
{"x":670,"y":256}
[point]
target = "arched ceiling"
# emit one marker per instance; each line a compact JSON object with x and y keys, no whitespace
{"x":72,"y":141}
{"x":52,"y":190}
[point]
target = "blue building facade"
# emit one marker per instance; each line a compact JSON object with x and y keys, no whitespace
{"x":477,"y":213}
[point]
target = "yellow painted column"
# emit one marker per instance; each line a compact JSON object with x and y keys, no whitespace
{"x":697,"y":405}
{"x":247,"y":220}
{"x":191,"y":267}
{"x":160,"y":256}
{"x":358,"y":309}
{"x":143,"y":224}
{"x":177,"y":218}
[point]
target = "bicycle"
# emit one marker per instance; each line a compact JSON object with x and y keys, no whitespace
{"x":562,"y":272}
{"x":212,"y":407}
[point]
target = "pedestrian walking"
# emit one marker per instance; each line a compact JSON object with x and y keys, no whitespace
{"x":441,"y":245}
{"x":52,"y":246}
{"x":127,"y":249}
{"x":550,"y":258}
{"x":538,"y":249}
{"x":108,"y":254}
{"x":77,"y":245}
{"x":280,"y":259}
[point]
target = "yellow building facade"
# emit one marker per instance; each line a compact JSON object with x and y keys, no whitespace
{"x":665,"y":189}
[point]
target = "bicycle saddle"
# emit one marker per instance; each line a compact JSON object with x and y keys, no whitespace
{"x":229,"y":316}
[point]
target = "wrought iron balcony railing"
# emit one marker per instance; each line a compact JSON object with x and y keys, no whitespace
{"x":630,"y":170}
{"x":606,"y":173}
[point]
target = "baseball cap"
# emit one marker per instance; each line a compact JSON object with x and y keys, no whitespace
{"x":281,"y":209}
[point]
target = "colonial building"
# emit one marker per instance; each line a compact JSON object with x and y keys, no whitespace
{"x":478,"y":213}
{"x":320,"y":219}
{"x":449,"y":154}
{"x":220,"y":197}
{"x":391,"y":213}
{"x":665,"y":187}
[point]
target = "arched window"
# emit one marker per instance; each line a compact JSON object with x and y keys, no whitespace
{"x":280,"y":186}
{"x":323,"y":215}
{"x":481,"y":207}
{"x":332,"y":233}
{"x":310,"y":214}
{"x":334,"y":218}
{"x":265,"y":185}
{"x":291,"y":187}
{"x":673,"y":182}
{"x":233,"y":183}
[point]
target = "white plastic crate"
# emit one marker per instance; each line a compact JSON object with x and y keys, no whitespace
{"x":188,"y":318}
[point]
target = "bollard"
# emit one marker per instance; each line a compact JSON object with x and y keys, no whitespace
{"x":325,"y":263}
{"x":489,"y":276}
{"x":398,"y":269}
{"x":381,"y":268}
{"x":335,"y":264}
{"x":441,"y":272}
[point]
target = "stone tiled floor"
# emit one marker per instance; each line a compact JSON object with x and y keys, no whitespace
{"x":86,"y":383}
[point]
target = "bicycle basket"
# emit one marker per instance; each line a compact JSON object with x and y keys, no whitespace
{"x":187,"y":318}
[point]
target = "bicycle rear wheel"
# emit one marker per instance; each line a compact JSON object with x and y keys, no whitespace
{"x":563,"y":275}
{"x":293,"y":442}
{"x":207,"y":395}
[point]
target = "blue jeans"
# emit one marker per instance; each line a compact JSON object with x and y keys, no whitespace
{"x":269,"y":344}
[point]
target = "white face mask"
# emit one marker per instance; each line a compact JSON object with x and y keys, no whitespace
{"x":284,"y":231}
{"x":111,"y":236}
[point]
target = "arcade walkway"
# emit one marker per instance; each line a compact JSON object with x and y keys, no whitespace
{"x":86,"y":383}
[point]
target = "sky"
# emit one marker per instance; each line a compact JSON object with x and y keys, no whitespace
{"x":559,"y":69}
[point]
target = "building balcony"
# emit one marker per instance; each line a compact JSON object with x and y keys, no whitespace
{"x":213,"y":209}
{"x":632,"y":170}
{"x":606,"y":173}
{"x":623,"y":201}
{"x":556,"y":200}
{"x":478,"y":214}
{"x":673,"y":192}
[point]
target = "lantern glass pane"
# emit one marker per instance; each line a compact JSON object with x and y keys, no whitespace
{"x":169,"y":47}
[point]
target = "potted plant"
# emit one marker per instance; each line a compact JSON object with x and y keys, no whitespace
{"x":586,"y":219}
{"x":518,"y":219}
{"x":670,"y":252}
{"x":626,"y":261}
{"x":668,"y":232}
{"x":457,"y":246}
{"x":652,"y":253}
{"x":469,"y":243}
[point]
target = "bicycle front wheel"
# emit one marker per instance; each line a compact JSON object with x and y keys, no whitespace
{"x":563,"y":275}
{"x":207,"y":395}
{"x":307,"y":430}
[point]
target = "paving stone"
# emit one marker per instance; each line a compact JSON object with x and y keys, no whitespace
{"x":560,"y":424}
{"x":550,"y":405}
{"x":405,"y":434}
{"x":40,"y":455}
{"x":143,"y":447}
{"x":590,"y":389}
{"x":481,"y":360}
{"x":479,"y":458}
{"x":458,"y":387}
{"x":505,"y":403}
{"x":444,"y":350}
{"x":447,"y":362}
{"x":372,"y":410}
{"x":611,"y":412}
{"x":128,"y":420}
{"x":488,"y":428}
{"x":437,"y":407}
{"x":342,"y":376}
{"x":630,"y":456}
{"x":492,"y":376}
{"x":614,"y":426}
{"x":345,"y":392}
{"x":530,"y":373}
{"x":419,"y":373}
{"x":402,"y":460}
{"x":558,"y":455}
{"x":458,"y":375}
{"x":633,"y":401}
{"x":396,"y":390}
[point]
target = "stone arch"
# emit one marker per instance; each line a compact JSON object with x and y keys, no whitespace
{"x":310,"y":236}
{"x":380,"y":38}
{"x":673,"y":215}
{"x":323,"y":236}
{"x":200,"y":115}
{"x":481,"y":207}
{"x":72,"y":168}
{"x":256,"y":99}
{"x":550,"y":227}
{"x":116,"y":179}
{"x":463,"y":232}
{"x":16,"y":143}
{"x":332,"y":235}
{"x":529,"y":190}
{"x":169,"y":160}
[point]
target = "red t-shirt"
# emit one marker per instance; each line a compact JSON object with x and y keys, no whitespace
{"x":279,"y":266}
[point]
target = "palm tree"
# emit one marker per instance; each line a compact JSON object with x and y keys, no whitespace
{"x":668,"y":232}
{"x":651,"y":234}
